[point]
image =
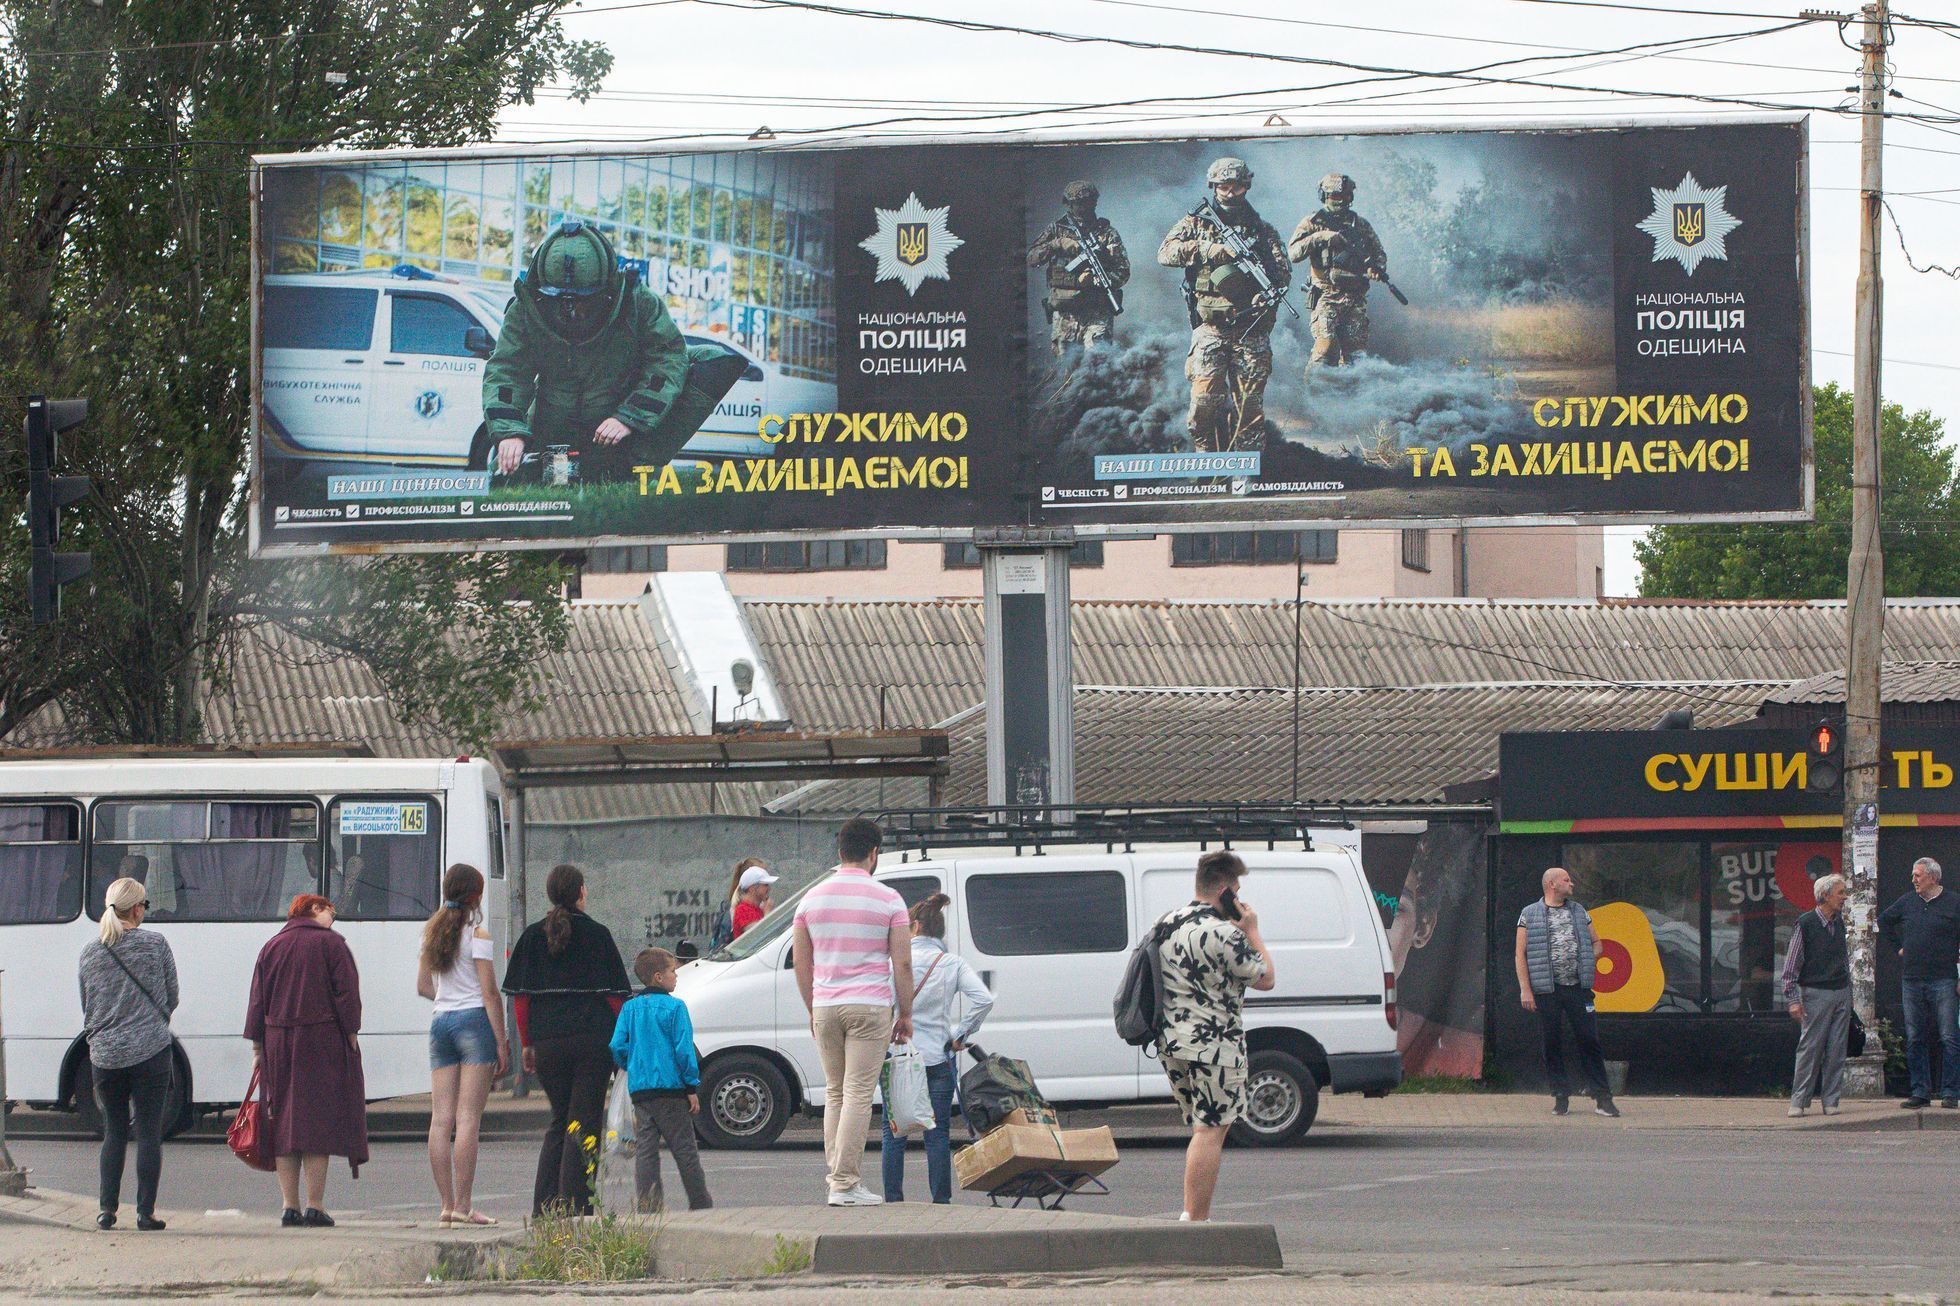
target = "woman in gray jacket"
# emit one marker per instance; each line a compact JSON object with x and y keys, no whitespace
{"x":129,"y":989}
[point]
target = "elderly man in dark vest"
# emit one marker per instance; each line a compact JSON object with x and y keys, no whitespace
{"x":1555,"y":970}
{"x":1817,"y":990}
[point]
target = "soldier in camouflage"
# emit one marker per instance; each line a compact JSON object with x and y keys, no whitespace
{"x":1231,"y":354}
{"x":1081,"y":310}
{"x":1343,"y":254}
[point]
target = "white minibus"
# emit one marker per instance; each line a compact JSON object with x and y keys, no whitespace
{"x":223,"y":844}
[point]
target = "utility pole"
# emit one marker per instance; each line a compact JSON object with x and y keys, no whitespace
{"x":1865,"y":579}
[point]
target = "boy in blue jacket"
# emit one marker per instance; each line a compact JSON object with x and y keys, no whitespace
{"x":653,"y":1042}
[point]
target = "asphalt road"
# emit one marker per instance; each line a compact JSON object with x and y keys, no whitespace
{"x":1557,"y":1205}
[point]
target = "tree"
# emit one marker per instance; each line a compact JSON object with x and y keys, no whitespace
{"x":126,"y":128}
{"x":1808,"y":560}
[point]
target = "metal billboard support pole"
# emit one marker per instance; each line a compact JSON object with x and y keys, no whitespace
{"x":1865,"y":580}
{"x":13,"y":1179}
{"x":517,"y":887}
{"x":1030,"y":667}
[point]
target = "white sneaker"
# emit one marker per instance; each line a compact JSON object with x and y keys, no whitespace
{"x":1798,"y":1111}
{"x":1830,"y":1110}
{"x":858,"y":1196}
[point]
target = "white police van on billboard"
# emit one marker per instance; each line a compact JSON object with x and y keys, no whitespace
{"x":387,"y":366}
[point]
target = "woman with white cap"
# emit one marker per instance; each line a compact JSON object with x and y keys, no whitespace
{"x":751,"y":896}
{"x":129,"y":989}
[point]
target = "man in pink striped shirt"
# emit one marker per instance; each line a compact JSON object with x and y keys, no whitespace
{"x":853,"y":952}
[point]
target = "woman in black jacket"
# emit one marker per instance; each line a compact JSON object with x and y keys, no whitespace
{"x":569,"y":983}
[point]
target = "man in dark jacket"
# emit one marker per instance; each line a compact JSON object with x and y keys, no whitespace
{"x":1924,"y":926}
{"x":1817,"y":990}
{"x":588,"y":358}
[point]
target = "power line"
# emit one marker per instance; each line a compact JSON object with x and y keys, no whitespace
{"x":1910,"y":261}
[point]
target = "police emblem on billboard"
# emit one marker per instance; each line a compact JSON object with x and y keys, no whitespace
{"x":1690,"y":223}
{"x":428,"y":404}
{"x":911,"y":244}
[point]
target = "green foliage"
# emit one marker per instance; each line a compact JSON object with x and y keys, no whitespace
{"x":788,"y":1257}
{"x":126,"y":129}
{"x":1920,"y":524}
{"x":564,"y":1248}
{"x":1445,"y":1084}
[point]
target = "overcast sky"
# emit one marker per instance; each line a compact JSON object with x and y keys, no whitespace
{"x":683,"y":66}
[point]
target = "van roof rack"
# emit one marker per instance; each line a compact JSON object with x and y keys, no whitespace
{"x":920,"y":829}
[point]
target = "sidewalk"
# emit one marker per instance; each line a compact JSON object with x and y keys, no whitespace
{"x":407,"y":1118}
{"x":49,"y":1244}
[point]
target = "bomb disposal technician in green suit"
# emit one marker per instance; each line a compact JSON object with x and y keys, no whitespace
{"x":588,"y":357}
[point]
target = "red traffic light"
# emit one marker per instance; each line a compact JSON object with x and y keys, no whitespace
{"x":1824,"y":739}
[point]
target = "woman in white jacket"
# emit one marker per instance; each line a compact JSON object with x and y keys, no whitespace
{"x":944,"y":980}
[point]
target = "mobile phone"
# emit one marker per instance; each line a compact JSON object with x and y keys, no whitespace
{"x":1228,"y":902}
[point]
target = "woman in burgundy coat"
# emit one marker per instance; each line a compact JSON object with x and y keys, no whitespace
{"x":304,"y":1021}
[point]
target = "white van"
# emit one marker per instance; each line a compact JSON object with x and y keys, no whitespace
{"x":1050,"y":934}
{"x":387,"y":366}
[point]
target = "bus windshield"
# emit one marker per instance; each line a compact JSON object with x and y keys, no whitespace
{"x":764,"y":931}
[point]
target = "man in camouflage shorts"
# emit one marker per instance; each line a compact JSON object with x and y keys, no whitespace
{"x":1212,"y":952}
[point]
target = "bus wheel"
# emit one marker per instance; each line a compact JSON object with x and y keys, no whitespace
{"x":177,"y":1113}
{"x":745,"y":1102}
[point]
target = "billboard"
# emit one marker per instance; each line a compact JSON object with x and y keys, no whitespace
{"x":509,"y":349}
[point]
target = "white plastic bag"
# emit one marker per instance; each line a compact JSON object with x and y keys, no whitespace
{"x":908,"y":1103}
{"x":619,"y":1117}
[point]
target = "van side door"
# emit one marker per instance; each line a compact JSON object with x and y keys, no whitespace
{"x":429,"y":391}
{"x":1050,"y":936}
{"x":318,"y":365}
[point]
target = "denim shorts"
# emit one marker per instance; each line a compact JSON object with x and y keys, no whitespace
{"x":462,"y":1038}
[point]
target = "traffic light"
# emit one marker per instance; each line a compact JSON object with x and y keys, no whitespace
{"x":47,"y":495}
{"x":1826,"y":767}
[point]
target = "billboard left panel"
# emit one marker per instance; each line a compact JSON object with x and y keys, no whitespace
{"x":497,"y":351}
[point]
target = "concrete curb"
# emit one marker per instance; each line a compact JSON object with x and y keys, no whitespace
{"x":919,"y":1239}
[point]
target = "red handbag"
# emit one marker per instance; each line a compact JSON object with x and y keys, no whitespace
{"x":250,"y":1134}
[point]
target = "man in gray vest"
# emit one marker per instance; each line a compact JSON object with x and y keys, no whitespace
{"x":1817,"y":990}
{"x":1555,"y":970}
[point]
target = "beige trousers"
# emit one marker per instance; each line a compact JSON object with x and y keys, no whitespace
{"x":851,"y":1043}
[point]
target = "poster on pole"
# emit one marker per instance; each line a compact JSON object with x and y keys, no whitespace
{"x":506,"y":348}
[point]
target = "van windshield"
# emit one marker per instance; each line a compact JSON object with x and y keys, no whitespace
{"x":764,"y":931}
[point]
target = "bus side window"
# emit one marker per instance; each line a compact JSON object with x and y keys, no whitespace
{"x":385,"y":855}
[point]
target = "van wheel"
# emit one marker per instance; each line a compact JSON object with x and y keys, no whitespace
{"x":745,"y":1102}
{"x":1282,"y":1098}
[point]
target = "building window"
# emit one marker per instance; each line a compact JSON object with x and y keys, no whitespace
{"x":1645,"y":899}
{"x":626,"y":559}
{"x":811,"y":555}
{"x":1415,"y":550}
{"x":1242,"y":548}
{"x":1085,"y":553}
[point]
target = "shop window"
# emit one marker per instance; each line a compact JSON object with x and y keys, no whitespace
{"x":1757,"y":891}
{"x":1646,"y":903}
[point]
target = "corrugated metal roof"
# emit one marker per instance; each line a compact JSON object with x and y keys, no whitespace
{"x":832,"y":657}
{"x":1899,"y":682}
{"x":1385,"y":745}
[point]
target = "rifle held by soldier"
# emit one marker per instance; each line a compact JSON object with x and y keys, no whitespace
{"x":1093,"y":261}
{"x":1246,"y":257}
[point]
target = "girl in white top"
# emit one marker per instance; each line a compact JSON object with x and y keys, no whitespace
{"x":467,"y":1044}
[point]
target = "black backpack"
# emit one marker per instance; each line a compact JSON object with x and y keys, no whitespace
{"x":995,"y":1086}
{"x":1140,"y":997}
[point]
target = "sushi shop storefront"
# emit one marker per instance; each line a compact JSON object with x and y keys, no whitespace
{"x":1695,"y":852}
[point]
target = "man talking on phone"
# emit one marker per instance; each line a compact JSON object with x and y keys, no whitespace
{"x":1212,"y":953}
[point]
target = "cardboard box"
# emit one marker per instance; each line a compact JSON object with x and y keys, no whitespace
{"x":1020,"y":1115}
{"x":1008,"y":1151}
